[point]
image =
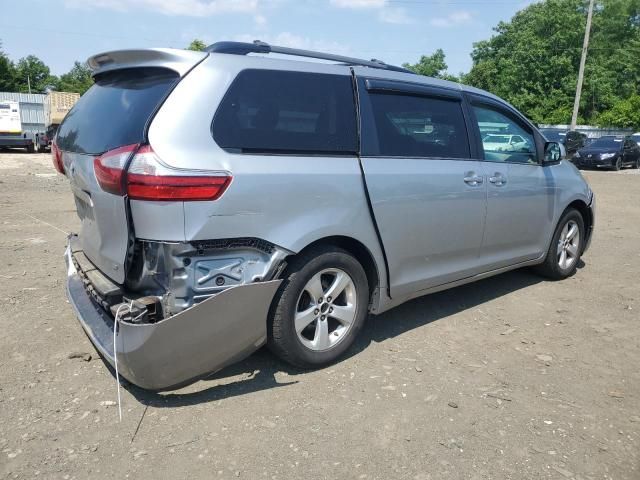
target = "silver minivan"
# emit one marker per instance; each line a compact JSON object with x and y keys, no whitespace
{"x":253,"y":194}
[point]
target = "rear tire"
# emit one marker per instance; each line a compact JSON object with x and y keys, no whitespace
{"x":566,"y":247}
{"x":307,"y":326}
{"x":30,"y":148}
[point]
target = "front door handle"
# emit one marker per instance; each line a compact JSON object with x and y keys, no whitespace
{"x":498,"y":179}
{"x":472,"y":179}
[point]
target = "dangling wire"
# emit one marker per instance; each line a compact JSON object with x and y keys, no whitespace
{"x":129,"y":307}
{"x":115,"y":353}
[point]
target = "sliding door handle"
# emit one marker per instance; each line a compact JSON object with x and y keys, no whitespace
{"x":472,"y":179}
{"x":498,"y":179}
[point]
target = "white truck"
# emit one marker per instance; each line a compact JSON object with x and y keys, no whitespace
{"x":11,"y":134}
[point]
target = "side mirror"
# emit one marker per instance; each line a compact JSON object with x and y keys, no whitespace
{"x":554,"y":152}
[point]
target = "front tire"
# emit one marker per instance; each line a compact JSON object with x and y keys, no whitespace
{"x":319,"y":308}
{"x":618,"y":165}
{"x":566,"y":247}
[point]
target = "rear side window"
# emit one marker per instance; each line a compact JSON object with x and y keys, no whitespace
{"x":268,"y":111}
{"x":115,"y":110}
{"x":416,"y":126}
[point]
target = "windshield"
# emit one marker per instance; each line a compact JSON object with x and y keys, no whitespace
{"x":606,"y":142}
{"x":496,"y":139}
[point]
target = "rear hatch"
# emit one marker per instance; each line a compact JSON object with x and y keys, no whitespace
{"x":113,"y":113}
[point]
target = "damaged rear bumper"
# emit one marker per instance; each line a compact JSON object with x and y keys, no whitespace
{"x":184,"y":347}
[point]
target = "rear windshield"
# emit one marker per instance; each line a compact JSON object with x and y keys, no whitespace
{"x":115,"y":110}
{"x":268,"y":111}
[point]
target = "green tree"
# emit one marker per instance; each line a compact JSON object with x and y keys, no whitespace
{"x":32,"y":71}
{"x":532,"y":61}
{"x":625,"y":113}
{"x":197,"y":45}
{"x":432,"y":66}
{"x":7,"y":72}
{"x":78,"y":79}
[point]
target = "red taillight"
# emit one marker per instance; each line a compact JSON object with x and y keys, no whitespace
{"x":56,"y":156}
{"x":148,"y":178}
{"x":147,"y":187}
{"x":109,"y":168}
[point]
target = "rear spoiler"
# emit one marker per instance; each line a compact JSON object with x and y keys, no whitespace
{"x":180,"y":61}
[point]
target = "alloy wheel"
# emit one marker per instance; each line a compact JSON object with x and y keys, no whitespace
{"x":326,"y":309}
{"x":569,"y":245}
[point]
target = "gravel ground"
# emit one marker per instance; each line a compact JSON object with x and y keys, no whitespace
{"x":511,"y":377}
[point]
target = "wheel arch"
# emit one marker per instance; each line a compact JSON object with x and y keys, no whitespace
{"x":587,"y":216}
{"x":360,"y":253}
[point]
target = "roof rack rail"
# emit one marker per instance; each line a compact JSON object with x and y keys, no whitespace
{"x":243,"y":48}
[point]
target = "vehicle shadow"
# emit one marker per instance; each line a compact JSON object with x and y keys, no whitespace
{"x":258,"y":372}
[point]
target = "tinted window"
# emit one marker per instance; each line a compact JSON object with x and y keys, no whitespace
{"x":276,"y":111}
{"x":413,"y":126}
{"x":504,"y":139}
{"x":115,"y":110}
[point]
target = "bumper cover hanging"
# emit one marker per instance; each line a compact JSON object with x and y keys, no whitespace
{"x":185,"y":347}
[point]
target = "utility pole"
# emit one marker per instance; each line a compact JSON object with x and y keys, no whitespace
{"x":583,"y":60}
{"x":29,"y":83}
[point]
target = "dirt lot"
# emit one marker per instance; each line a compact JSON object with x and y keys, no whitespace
{"x":512,"y":377}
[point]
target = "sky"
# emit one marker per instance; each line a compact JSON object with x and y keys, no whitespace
{"x":395,"y":31}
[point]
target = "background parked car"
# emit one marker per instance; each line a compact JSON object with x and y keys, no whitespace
{"x":505,"y":143}
{"x":572,"y":140}
{"x":636,"y":137}
{"x":609,"y":152}
{"x":553,"y":135}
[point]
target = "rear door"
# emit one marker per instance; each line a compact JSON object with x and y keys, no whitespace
{"x":427,"y":193}
{"x":113,"y":113}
